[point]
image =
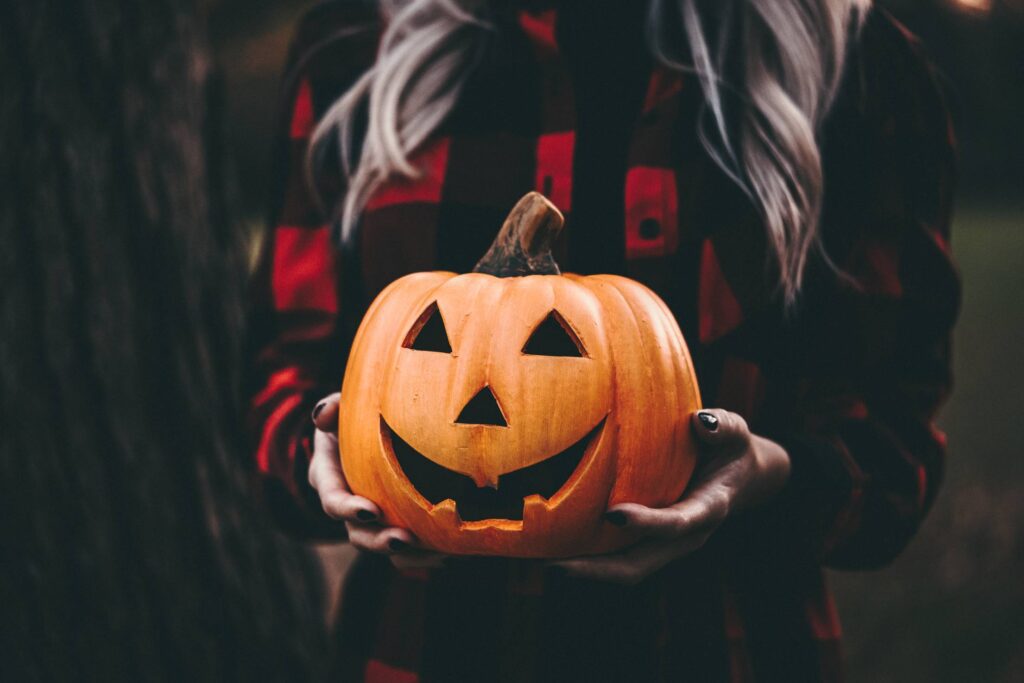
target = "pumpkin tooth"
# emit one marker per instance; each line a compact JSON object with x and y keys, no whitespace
{"x":446,"y":512}
{"x":534,"y":507}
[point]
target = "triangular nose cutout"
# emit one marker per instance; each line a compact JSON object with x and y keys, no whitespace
{"x":482,"y":409}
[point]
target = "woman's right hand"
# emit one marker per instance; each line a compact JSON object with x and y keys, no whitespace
{"x":361,"y":516}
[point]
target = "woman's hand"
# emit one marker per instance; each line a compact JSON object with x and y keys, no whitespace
{"x":737,"y":470}
{"x":361,"y":516}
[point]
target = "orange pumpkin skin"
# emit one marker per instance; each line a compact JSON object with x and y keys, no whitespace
{"x":630,"y":392}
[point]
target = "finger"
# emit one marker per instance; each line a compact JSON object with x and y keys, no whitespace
{"x":382,"y":540}
{"x":717,"y":427}
{"x":628,"y":567}
{"x":326,"y":477}
{"x":325,"y":413}
{"x":700,"y":512}
{"x":339,"y":504}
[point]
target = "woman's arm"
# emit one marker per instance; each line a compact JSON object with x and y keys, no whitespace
{"x":738,"y":471}
{"x":298,"y":347}
{"x":867,"y":457}
{"x":857,"y":456}
{"x":297,"y":321}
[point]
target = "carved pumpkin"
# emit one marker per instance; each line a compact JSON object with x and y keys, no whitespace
{"x":501,"y":412}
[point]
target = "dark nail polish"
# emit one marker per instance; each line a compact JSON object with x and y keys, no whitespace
{"x":709,"y":421}
{"x":318,"y":409}
{"x":616,"y":517}
{"x":397,"y":545}
{"x":365,"y":516}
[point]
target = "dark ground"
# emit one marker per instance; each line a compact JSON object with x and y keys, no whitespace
{"x":951,"y":608}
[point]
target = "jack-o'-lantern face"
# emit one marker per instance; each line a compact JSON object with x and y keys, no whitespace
{"x":504,"y":415}
{"x":489,"y":454}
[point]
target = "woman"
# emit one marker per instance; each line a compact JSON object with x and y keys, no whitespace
{"x":779,"y":172}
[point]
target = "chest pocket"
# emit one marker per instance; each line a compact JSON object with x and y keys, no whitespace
{"x":652,"y":212}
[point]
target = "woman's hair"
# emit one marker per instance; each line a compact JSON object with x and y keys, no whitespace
{"x":133,"y":546}
{"x":769,"y":70}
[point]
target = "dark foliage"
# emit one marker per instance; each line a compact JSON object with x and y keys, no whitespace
{"x":131,"y":548}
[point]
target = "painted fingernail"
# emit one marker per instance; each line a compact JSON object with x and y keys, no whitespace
{"x":616,"y":517}
{"x":365,"y":516}
{"x":709,"y":421}
{"x":397,"y":545}
{"x":318,"y":409}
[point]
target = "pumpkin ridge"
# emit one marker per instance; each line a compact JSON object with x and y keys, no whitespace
{"x":611,"y":350}
{"x":629,"y":291}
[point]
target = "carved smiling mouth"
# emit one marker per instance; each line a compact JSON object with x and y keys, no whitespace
{"x":474,"y":503}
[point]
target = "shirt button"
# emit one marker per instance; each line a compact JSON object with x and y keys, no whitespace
{"x":650,"y":229}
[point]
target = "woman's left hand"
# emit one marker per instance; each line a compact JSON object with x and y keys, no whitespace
{"x":736,"y":470}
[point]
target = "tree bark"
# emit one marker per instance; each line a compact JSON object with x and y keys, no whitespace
{"x":132,"y":548}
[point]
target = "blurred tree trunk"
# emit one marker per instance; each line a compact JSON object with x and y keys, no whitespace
{"x":131,"y":547}
{"x":125,"y":85}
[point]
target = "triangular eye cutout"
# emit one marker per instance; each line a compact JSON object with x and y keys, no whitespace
{"x":482,"y":409}
{"x":554,"y":337}
{"x":428,"y":333}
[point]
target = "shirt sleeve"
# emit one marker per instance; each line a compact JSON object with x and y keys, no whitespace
{"x":298,"y":349}
{"x":872,"y":353}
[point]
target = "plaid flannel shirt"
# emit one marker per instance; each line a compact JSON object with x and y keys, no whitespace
{"x":849,"y":383}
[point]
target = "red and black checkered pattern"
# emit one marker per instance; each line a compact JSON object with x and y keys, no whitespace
{"x":849,"y":382}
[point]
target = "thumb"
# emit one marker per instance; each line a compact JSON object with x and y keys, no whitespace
{"x":716,"y":427}
{"x":325,"y":414}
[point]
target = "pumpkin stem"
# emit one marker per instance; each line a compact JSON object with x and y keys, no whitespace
{"x":523,"y":245}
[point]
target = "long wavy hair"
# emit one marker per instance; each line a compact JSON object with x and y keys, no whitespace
{"x":769,"y":71}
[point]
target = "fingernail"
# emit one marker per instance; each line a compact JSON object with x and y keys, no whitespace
{"x":709,"y":421}
{"x":365,"y":516}
{"x":397,"y":545}
{"x":616,"y":517}
{"x":318,"y":409}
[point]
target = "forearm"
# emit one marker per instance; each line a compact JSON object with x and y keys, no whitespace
{"x":856,"y":494}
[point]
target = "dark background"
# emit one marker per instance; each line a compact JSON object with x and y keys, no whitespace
{"x":951,"y":608}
